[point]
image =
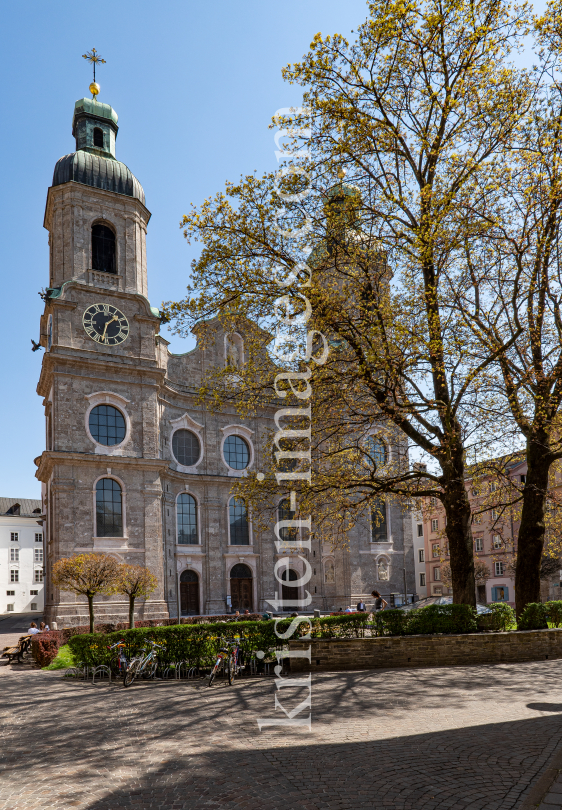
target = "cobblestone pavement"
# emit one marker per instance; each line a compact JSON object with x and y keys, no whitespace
{"x":470,"y":738}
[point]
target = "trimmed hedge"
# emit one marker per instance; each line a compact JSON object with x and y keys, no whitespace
{"x":554,"y":611}
{"x":198,"y":644}
{"x":427,"y":620}
{"x":501,"y":618}
{"x":534,"y":617}
{"x":44,"y":647}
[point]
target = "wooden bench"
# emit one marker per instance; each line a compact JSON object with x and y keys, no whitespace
{"x":16,"y":652}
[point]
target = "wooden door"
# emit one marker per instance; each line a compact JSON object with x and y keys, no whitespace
{"x":189,"y":597}
{"x":241,"y":593}
{"x":289,"y":594}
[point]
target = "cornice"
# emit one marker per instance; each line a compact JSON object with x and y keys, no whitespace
{"x":49,"y":458}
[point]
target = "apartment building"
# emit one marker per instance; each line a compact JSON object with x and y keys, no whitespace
{"x":21,"y":556}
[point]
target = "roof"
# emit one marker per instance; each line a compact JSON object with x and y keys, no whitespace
{"x":27,"y":507}
{"x":92,"y":107}
{"x":99,"y":172}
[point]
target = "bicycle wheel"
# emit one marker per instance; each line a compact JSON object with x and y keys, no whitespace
{"x":213,"y":674}
{"x":231,"y":669}
{"x":130,"y":673}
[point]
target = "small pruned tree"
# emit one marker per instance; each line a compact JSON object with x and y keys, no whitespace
{"x":135,"y":581}
{"x":87,"y":575}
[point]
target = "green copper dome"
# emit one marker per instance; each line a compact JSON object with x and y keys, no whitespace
{"x":94,"y":126}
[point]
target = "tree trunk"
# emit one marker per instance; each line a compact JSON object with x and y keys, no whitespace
{"x":532,"y":529}
{"x":91,"y":611}
{"x":131,"y":612}
{"x":459,"y":532}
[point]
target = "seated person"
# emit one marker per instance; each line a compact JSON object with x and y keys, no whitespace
{"x":33,"y":629}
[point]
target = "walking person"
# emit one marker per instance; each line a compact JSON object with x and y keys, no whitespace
{"x":380,"y":603}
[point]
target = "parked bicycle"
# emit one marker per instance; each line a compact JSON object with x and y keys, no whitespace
{"x":119,"y":662}
{"x":229,"y":660}
{"x":143,"y":665}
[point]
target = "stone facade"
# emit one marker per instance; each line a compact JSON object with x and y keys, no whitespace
{"x":156,"y":394}
{"x":427,"y":651}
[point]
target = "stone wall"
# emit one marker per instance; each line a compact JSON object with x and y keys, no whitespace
{"x":427,"y":651}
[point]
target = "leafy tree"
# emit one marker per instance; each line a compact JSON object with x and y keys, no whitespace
{"x":135,"y":581}
{"x":419,"y":109}
{"x":86,"y":575}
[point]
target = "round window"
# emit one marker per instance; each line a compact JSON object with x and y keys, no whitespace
{"x":107,"y":425}
{"x":236,"y":453}
{"x":186,"y":447}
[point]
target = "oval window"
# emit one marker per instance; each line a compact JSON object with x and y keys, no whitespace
{"x":107,"y":425}
{"x":186,"y":448}
{"x":236,"y":453}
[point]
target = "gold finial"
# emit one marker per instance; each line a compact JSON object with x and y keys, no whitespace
{"x":93,"y":58}
{"x":341,"y":172}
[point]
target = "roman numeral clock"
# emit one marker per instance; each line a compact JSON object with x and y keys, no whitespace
{"x":105,"y":324}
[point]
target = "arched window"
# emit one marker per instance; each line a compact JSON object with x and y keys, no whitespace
{"x":236,"y":452}
{"x":98,"y":137}
{"x":239,"y":529}
{"x":286,"y":533}
{"x":186,"y":447}
{"x":109,"y":508}
{"x":377,"y":451}
{"x":103,"y":249}
{"x":187,"y":520}
{"x":379,"y":529}
{"x":241,"y":587}
{"x":107,"y":425}
{"x":189,"y":593}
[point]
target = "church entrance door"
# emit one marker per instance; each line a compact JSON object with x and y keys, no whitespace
{"x":289,"y":592}
{"x":241,"y":588}
{"x":189,"y":593}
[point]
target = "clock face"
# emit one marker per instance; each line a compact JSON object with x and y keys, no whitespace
{"x":106,"y":324}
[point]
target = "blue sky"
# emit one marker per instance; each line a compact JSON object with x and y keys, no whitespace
{"x":194,"y":85}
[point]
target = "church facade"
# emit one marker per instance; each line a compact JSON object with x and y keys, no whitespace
{"x":134,"y":466}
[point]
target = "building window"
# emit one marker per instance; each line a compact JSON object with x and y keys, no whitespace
{"x":421,"y":555}
{"x":437,"y":574}
{"x":377,"y":451}
{"x":499,"y":569}
{"x":109,"y":508}
{"x":98,"y":137}
{"x":236,"y":452}
{"x":433,"y":500}
{"x":478,"y":544}
{"x":497,"y":541}
{"x":495,"y":514}
{"x":38,"y":537}
{"x":437,"y":591}
{"x":107,"y":425}
{"x":14,"y":555}
{"x":31,"y":593}
{"x":523,"y":478}
{"x":493,"y":486}
{"x":186,"y":447}
{"x":420,"y":529}
{"x":435,"y":525}
{"x":187,"y":520}
{"x":14,"y":537}
{"x":10,"y":593}
{"x":422,"y":580}
{"x":14,"y":575}
{"x":379,"y":528}
{"x":239,"y":528}
{"x":38,"y":575}
{"x":500,"y":593}
{"x":9,"y":608}
{"x":34,"y":606}
{"x":435,"y":550}
{"x":38,"y":557}
{"x":103,"y":249}
{"x":286,"y":533}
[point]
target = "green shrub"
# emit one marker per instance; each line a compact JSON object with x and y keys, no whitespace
{"x":534,"y":617}
{"x":394,"y":622}
{"x":198,"y":644}
{"x":444,"y":619}
{"x":64,"y":659}
{"x":554,"y":612}
{"x":502,"y":617}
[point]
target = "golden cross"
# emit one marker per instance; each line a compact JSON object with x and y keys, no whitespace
{"x":93,"y":57}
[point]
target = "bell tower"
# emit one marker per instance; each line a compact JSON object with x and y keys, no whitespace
{"x":101,"y":467}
